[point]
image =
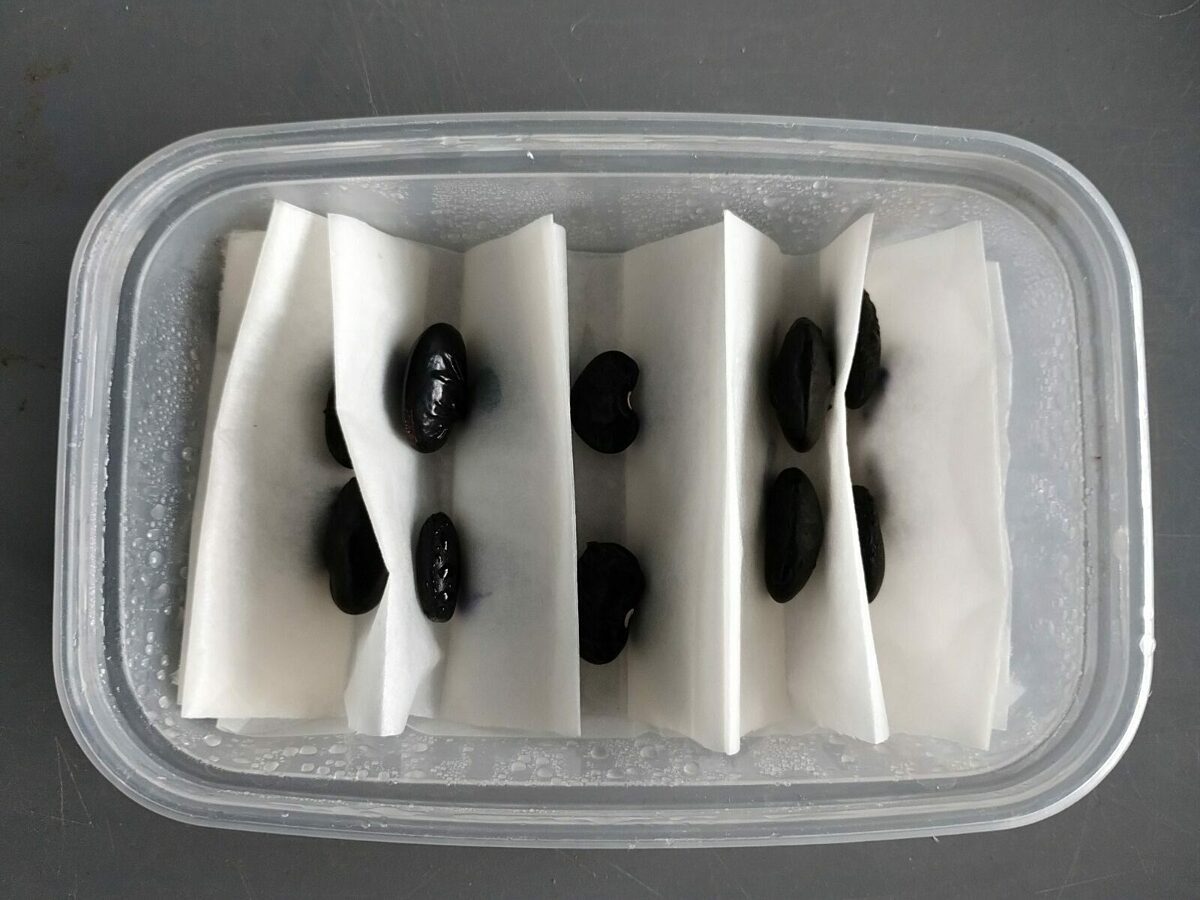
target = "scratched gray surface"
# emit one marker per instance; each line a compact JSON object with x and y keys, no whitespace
{"x":88,"y":89}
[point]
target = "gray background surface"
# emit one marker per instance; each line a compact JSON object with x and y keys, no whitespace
{"x":88,"y":89}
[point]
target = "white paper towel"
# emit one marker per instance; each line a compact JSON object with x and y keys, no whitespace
{"x":1003,"y":345}
{"x":927,"y":448}
{"x":512,"y":657}
{"x":594,"y":319}
{"x":386,"y":291}
{"x":683,"y":647}
{"x":262,"y":638}
{"x":709,"y":653}
{"x":829,"y":663}
{"x":241,"y":257}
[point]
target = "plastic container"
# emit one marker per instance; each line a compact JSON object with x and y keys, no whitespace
{"x":138,"y":349}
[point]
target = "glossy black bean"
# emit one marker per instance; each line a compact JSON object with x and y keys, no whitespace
{"x":795,"y":531}
{"x":357,"y":574}
{"x":601,"y":402}
{"x":801,"y":383}
{"x":438,"y":568}
{"x":865,"y":371}
{"x":870,"y":539}
{"x":611,"y":585}
{"x":334,"y":439}
{"x":434,"y":394}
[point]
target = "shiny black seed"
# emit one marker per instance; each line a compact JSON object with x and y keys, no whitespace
{"x":357,"y":574}
{"x":601,"y":411}
{"x":334,"y":439}
{"x":865,"y":371}
{"x":434,"y":394}
{"x":801,"y":382}
{"x":611,"y":585}
{"x":437,"y":566}
{"x":870,"y":539}
{"x":795,"y":530}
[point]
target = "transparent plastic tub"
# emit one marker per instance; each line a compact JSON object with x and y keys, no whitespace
{"x":139,"y":340}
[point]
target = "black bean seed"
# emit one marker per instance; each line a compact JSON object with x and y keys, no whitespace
{"x":601,"y":409}
{"x":611,"y":585}
{"x":437,"y":565}
{"x":334,"y":439}
{"x":870,"y":539}
{"x":795,"y":530}
{"x":357,"y":574}
{"x":801,"y":382}
{"x":865,"y":371}
{"x":434,"y":395}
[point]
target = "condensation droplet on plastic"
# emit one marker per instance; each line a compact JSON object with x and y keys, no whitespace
{"x":691,"y":768}
{"x":158,"y":511}
{"x":213,"y":740}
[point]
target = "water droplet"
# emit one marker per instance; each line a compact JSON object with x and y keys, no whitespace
{"x":290,"y":751}
{"x":648,"y":752}
{"x":163,"y":702}
{"x":419,"y":748}
{"x":336,"y":749}
{"x":155,"y":559}
{"x":213,"y":740}
{"x":308,"y":750}
{"x":518,"y":766}
{"x":543,"y":772}
{"x":323,"y":770}
{"x":599,"y":753}
{"x":270,"y":766}
{"x":161,"y":591}
{"x":614,"y":774}
{"x":414,"y":774}
{"x":158,"y":511}
{"x":187,"y":453}
{"x":690,"y":768}
{"x":307,"y":767}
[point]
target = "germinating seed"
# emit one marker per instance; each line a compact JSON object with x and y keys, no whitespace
{"x":357,"y":574}
{"x":601,"y":402}
{"x":611,"y":585}
{"x":795,"y":530}
{"x":334,"y":439}
{"x":865,"y":371}
{"x":437,"y":565}
{"x":870,"y":539}
{"x":435,"y":387}
{"x":801,"y":382}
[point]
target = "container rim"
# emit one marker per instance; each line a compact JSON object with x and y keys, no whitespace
{"x":82,"y":448}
